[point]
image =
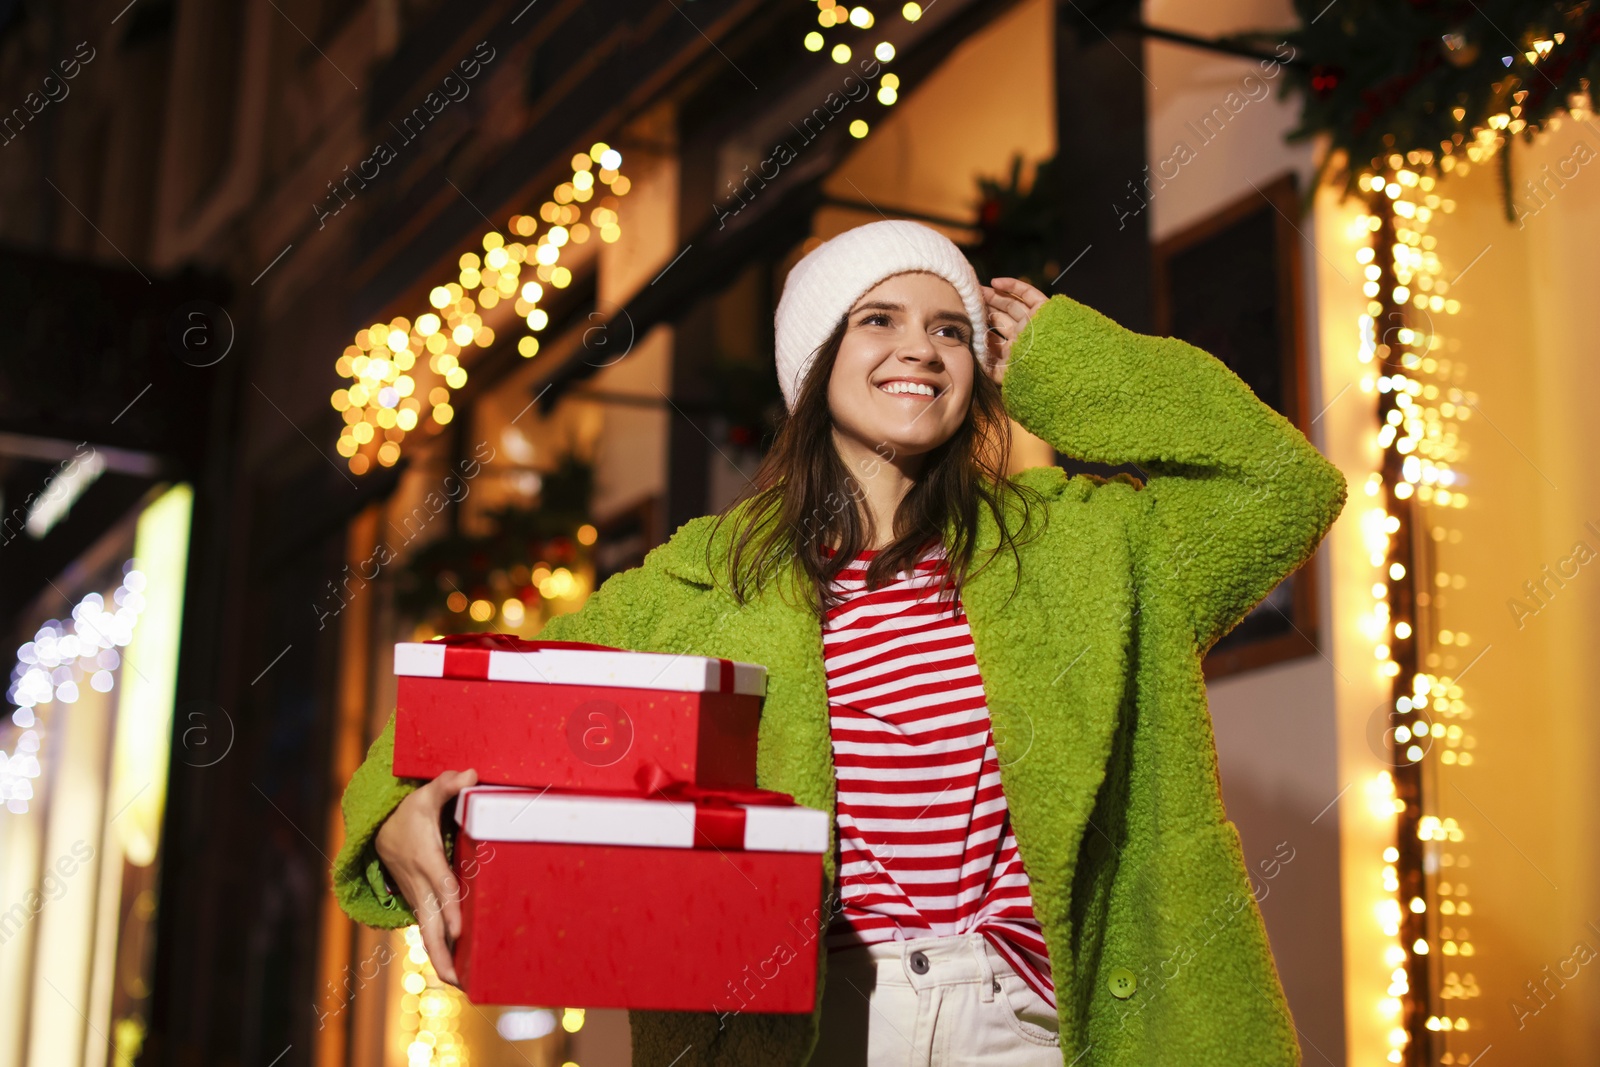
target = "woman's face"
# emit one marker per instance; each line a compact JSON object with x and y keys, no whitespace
{"x":903,"y":377}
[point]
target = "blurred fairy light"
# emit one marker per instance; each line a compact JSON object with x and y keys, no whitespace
{"x":390,"y":395}
{"x":429,"y":1011}
{"x":525,"y":1024}
{"x":831,"y":14}
{"x":55,"y":667}
{"x":1419,"y":443}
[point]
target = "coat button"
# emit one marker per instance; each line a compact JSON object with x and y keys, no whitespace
{"x":919,"y":962}
{"x":1121,"y":982}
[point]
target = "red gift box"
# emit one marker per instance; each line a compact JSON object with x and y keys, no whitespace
{"x":696,"y":903}
{"x":570,"y":715}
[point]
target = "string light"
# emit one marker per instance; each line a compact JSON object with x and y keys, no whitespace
{"x":429,"y":1010}
{"x":55,"y":667}
{"x":403,"y":372}
{"x":831,"y":14}
{"x":1421,"y":407}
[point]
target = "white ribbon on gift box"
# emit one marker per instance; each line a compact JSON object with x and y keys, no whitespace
{"x":565,"y":666}
{"x":512,"y":813}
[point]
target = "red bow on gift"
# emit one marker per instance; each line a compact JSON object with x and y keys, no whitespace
{"x":719,"y":816}
{"x":467,"y":655}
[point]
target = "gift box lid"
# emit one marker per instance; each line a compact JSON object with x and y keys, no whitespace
{"x":512,"y":813}
{"x":508,"y":658}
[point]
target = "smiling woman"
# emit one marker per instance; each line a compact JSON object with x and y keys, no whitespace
{"x":894,"y":404}
{"x":948,"y":615}
{"x":903,"y":368}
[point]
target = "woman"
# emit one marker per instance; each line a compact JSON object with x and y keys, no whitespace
{"x":994,"y":683}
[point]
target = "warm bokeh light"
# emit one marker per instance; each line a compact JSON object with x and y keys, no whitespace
{"x":386,"y":360}
{"x":1406,"y":368}
{"x":430,"y":1010}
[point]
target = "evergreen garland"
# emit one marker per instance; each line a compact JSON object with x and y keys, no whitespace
{"x":498,"y":565}
{"x":1019,"y":229}
{"x":1426,"y":78}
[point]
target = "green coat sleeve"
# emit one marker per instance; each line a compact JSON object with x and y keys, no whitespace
{"x":373,"y":792}
{"x":1237,"y":498}
{"x":616,"y":614}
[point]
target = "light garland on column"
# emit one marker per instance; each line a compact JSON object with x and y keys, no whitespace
{"x":1420,"y":412}
{"x":1425,"y":905}
{"x":1421,"y":409}
{"x":385,"y":399}
{"x":832,"y":14}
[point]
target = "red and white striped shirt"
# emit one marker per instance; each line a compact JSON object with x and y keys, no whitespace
{"x":925,"y":841}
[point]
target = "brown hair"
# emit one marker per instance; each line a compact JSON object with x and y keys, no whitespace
{"x":803,"y":506}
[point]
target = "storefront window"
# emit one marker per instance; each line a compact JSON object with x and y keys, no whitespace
{"x":83,"y":774}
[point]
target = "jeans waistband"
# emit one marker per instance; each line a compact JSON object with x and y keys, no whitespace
{"x":923,"y":962}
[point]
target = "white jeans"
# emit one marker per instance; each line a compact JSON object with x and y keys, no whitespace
{"x":932,"y":1002}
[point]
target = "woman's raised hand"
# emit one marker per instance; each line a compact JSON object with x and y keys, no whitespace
{"x":411,"y":846}
{"x":1012,"y":302}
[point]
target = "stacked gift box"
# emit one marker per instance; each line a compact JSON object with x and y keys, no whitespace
{"x":616,"y":852}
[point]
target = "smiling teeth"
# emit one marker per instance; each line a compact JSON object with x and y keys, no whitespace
{"x":909,"y":387}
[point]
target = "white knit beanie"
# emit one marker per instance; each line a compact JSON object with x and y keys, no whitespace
{"x":833,"y":276}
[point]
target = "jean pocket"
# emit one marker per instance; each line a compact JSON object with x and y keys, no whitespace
{"x":1028,"y":1014}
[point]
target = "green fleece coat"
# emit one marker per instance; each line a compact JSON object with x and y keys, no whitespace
{"x":1090,"y":659}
